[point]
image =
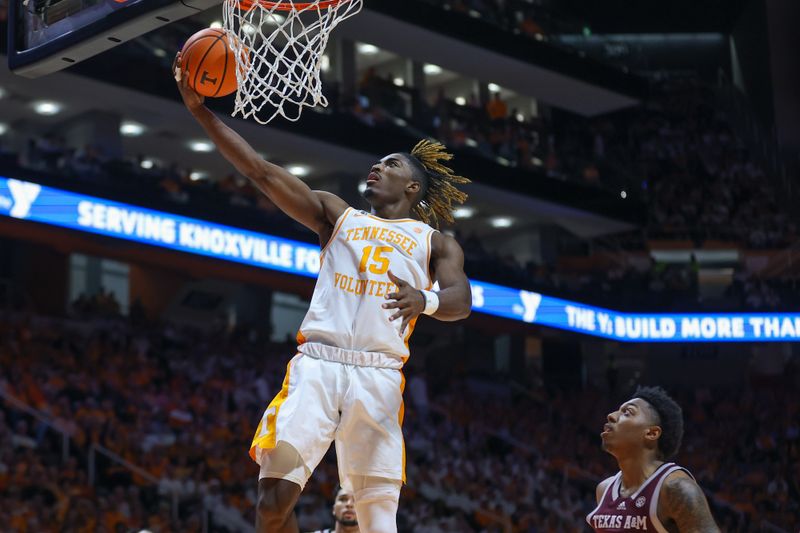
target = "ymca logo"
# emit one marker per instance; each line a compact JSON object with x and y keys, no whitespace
{"x":23,"y":194}
{"x":530,"y":305}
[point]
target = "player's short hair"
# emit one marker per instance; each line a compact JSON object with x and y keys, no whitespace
{"x":439,"y":191}
{"x":670,"y":419}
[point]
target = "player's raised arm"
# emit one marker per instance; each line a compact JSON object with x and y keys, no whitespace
{"x":317,"y":211}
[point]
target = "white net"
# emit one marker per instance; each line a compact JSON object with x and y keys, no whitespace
{"x":278,"y":49}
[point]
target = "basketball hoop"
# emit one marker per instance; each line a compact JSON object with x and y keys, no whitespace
{"x":290,"y":6}
{"x":285,"y":41}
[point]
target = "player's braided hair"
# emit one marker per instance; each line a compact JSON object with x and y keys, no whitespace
{"x":440,"y":186}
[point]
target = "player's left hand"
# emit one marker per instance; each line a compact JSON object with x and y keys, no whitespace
{"x":191,"y":98}
{"x":407,"y":300}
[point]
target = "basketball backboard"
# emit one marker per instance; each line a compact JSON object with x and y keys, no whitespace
{"x":48,"y":35}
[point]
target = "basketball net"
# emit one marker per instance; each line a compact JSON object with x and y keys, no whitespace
{"x":279,"y":53}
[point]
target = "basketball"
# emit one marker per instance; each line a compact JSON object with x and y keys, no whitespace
{"x":210,"y":63}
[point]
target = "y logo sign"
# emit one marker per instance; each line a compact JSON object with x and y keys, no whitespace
{"x":530,"y":304}
{"x":24,"y":194}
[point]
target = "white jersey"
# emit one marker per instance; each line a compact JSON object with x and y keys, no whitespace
{"x":346,"y":310}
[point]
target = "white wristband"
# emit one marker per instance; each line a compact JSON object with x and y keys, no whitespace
{"x":431,"y":302}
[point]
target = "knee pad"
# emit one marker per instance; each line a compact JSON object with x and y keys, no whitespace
{"x":377,"y":499}
{"x":369,"y":489}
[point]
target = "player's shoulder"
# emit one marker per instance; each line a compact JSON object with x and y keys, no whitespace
{"x":679,"y":473}
{"x":603,"y":486}
{"x":683,"y":502}
{"x":334,"y":205}
{"x":680,"y":484}
{"x":679,"y":490}
{"x":442,"y":242}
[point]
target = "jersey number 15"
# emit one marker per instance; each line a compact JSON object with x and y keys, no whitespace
{"x":379,"y":263}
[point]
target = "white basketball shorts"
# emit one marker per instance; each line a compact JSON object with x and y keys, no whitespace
{"x":324,"y":400}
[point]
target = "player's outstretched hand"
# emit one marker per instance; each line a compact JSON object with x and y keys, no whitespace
{"x":407,"y":300}
{"x":191,"y":98}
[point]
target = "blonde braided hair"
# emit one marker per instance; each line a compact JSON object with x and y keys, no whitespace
{"x":441,"y":192}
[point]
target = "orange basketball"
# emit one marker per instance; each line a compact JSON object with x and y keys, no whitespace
{"x":210,"y":62}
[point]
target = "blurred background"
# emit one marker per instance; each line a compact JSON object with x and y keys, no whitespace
{"x":634,"y":157}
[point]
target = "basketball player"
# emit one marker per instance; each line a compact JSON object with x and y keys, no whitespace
{"x":344,"y":513}
{"x":378,"y":269}
{"x":648,"y":493}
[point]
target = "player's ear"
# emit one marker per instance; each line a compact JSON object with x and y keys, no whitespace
{"x":653,"y":433}
{"x":414,"y":186}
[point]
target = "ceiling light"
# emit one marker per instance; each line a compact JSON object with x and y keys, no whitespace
{"x":362,"y":186}
{"x":399,"y":82}
{"x":201,"y":146}
{"x":520,"y":117}
{"x":147,"y":163}
{"x":2,"y":92}
{"x":501,"y":222}
{"x":463,"y":212}
{"x":494,"y":87}
{"x":325,"y":63}
{"x":248,"y":28}
{"x":159,"y":52}
{"x":623,"y":194}
{"x":198,"y":175}
{"x":299,"y":170}
{"x":130,"y":128}
{"x":538,"y":162}
{"x":46,"y":107}
{"x":368,"y":49}
{"x":276,"y":19}
{"x":460,"y":100}
{"x":216,"y":25}
{"x":432,"y":70}
{"x":3,"y":128}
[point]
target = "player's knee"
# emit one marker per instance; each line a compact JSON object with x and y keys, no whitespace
{"x":376,"y":504}
{"x":276,"y":500}
{"x":381,"y":494}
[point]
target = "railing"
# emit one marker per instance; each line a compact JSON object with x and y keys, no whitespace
{"x":41,"y":417}
{"x":95,"y":449}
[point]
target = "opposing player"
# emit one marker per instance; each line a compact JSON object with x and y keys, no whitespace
{"x":648,"y":493}
{"x":344,"y":513}
{"x":378,"y":269}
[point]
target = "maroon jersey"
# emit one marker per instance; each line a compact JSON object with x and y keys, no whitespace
{"x":637,"y":512}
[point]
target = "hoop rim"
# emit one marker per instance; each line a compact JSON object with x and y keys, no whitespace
{"x":288,"y":5}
